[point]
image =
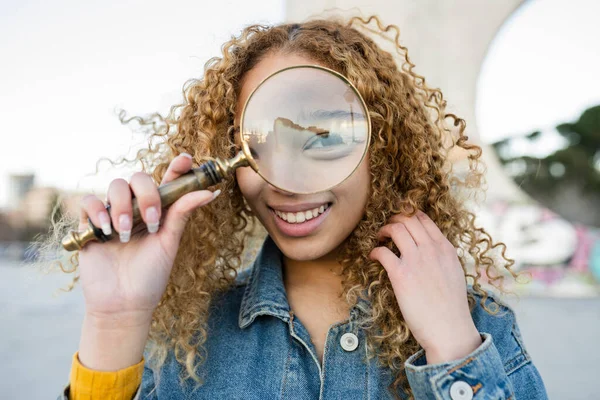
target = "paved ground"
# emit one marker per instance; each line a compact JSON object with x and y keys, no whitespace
{"x":39,"y":333}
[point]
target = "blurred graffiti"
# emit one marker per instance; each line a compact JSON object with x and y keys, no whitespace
{"x":563,"y":258}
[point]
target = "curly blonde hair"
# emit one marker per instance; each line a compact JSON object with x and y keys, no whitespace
{"x":408,"y":163}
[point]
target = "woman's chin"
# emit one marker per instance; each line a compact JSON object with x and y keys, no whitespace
{"x":303,"y":249}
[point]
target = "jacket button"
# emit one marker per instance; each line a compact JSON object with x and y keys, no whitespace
{"x":349,"y":341}
{"x":461,"y":390}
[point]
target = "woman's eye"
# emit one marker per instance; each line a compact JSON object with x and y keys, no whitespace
{"x":327,"y":148}
{"x":321,"y":141}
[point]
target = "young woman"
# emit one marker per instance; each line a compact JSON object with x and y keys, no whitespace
{"x":373,"y":302}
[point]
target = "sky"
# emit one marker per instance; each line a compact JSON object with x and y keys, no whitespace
{"x":68,"y":65}
{"x":542,"y":69}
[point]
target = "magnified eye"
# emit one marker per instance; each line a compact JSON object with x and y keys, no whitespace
{"x":326,"y":147}
{"x":323,"y":141}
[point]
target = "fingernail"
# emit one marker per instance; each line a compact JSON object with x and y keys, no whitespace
{"x":124,"y":228}
{"x":105,"y":223}
{"x":186,"y":155}
{"x":216,"y":193}
{"x":152,"y":219}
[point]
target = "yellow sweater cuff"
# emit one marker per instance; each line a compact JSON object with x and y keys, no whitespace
{"x":89,"y":384}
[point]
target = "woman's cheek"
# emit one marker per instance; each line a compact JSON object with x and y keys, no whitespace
{"x":250,"y":184}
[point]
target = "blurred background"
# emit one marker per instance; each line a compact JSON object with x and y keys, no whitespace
{"x":524,"y":75}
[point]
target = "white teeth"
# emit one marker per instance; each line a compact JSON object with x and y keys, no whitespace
{"x":301,"y":216}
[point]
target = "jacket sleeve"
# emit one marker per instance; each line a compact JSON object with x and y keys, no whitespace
{"x":500,"y":368}
{"x":479,"y":375}
{"x":88,"y":384}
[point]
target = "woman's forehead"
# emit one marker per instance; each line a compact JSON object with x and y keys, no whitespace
{"x":267,"y":66}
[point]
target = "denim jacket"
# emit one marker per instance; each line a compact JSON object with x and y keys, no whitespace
{"x":256,"y":349}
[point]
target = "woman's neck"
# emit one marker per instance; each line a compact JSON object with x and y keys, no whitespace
{"x":315,"y":285}
{"x":320,"y":276}
{"x":314,"y":291}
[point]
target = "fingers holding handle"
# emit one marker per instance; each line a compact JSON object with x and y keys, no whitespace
{"x":178,"y":166}
{"x":141,"y":201}
{"x":91,"y":206}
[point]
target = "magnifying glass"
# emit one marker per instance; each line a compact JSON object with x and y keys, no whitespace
{"x":304,"y":129}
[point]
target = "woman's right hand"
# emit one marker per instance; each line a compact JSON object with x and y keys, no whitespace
{"x":125,"y":281}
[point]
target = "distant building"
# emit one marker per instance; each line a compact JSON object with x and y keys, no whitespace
{"x":30,"y":208}
{"x":18,"y":186}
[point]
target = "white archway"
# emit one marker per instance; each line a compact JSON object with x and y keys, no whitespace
{"x":448,"y":41}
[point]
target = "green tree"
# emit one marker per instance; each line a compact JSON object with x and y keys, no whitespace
{"x":568,"y":180}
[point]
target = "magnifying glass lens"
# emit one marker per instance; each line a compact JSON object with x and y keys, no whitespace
{"x":306,"y":128}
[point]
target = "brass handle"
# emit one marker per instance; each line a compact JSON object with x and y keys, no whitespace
{"x":206,"y":175}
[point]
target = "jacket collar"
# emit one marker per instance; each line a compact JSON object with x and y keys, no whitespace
{"x":265,"y":293}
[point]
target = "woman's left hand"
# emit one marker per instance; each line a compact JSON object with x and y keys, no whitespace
{"x":430,"y":287}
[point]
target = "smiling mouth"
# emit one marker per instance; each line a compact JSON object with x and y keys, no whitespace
{"x":301,"y":216}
